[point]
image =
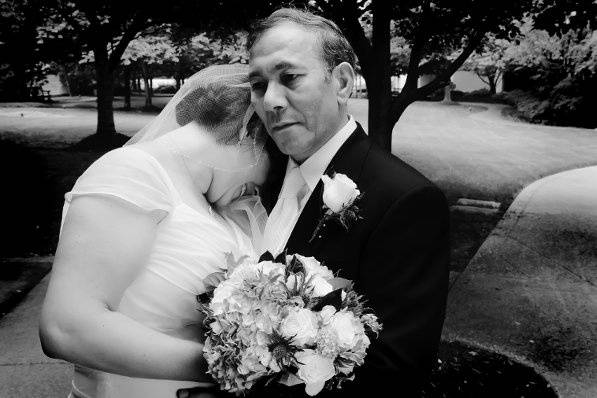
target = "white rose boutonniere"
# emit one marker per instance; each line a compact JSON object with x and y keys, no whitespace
{"x":339,"y":192}
{"x":340,"y":197}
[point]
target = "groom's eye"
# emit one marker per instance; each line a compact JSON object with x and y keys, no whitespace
{"x":289,"y":79}
{"x":258,"y":87}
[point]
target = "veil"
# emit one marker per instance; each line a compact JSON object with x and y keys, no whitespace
{"x":217,"y":98}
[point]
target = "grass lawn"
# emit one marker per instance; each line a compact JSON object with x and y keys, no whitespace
{"x":469,"y":151}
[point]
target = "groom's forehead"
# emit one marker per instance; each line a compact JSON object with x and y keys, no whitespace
{"x":284,"y":34}
{"x":288,"y":43}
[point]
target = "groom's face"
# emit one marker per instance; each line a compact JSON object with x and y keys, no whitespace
{"x":293,"y":91}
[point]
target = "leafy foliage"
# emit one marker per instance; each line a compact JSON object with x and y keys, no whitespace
{"x":22,"y":69}
{"x":560,"y":71}
{"x":489,"y":61}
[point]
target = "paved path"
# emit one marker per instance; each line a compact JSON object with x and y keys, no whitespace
{"x":24,"y":370}
{"x":531,"y":289}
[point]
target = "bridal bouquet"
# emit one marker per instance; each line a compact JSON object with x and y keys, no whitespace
{"x":286,"y":320}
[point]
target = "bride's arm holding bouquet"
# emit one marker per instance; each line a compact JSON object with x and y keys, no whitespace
{"x":103,"y":245}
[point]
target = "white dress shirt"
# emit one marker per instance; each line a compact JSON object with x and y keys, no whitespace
{"x":311,"y":169}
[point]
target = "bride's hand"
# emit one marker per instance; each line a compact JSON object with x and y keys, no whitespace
{"x":212,"y":281}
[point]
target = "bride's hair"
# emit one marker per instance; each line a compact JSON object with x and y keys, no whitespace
{"x":218,"y":106}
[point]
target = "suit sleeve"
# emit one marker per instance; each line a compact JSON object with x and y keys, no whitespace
{"x":403,"y":273}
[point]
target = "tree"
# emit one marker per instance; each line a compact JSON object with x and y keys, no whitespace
{"x":430,"y":28}
{"x":556,"y":74}
{"x":489,"y":61}
{"x":105,"y":28}
{"x":21,"y":69}
{"x":561,"y":16}
{"x":147,"y":52}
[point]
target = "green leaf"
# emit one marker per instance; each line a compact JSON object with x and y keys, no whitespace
{"x":333,"y":298}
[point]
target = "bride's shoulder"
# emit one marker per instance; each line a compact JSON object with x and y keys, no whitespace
{"x":129,"y":163}
{"x":131,"y":158}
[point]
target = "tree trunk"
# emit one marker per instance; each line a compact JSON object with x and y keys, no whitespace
{"x":127,"y":89}
{"x":447,"y":94}
{"x":177,"y":83}
{"x":378,"y":79}
{"x":492,"y":84}
{"x":147,"y":83}
{"x":65,"y":79}
{"x":22,"y":92}
{"x":105,"y":96}
{"x":380,"y":111}
{"x":147,"y":92}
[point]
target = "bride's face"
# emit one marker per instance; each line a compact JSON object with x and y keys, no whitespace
{"x":246,"y":177}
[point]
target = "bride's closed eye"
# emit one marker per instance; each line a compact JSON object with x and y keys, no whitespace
{"x":243,"y":190}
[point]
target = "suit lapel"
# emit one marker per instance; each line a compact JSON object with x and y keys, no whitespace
{"x":348,"y":160}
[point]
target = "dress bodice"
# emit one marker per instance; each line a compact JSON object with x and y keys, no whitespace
{"x":190,"y":244}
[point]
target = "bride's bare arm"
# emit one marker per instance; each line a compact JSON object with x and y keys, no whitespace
{"x":103,"y":246}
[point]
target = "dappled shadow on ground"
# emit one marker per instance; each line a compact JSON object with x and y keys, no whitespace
{"x":34,"y":181}
{"x":466,"y":371}
{"x":101,"y":142}
{"x":468,"y":231}
{"x":24,"y":202}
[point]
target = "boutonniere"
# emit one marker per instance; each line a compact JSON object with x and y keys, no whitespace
{"x":340,"y":198}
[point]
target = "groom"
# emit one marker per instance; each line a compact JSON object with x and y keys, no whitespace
{"x":301,"y":76}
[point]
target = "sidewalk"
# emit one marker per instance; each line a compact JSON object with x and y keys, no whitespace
{"x":531,"y":290}
{"x":24,"y":370}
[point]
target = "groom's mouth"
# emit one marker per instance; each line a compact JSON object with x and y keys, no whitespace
{"x":281,"y":126}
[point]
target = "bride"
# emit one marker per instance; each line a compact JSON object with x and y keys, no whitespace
{"x":142,"y":228}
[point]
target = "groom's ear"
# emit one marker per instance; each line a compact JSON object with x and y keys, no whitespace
{"x":343,"y":76}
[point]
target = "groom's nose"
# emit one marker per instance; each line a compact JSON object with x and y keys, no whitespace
{"x":274,"y":99}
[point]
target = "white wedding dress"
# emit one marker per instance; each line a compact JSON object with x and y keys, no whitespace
{"x":190,"y":244}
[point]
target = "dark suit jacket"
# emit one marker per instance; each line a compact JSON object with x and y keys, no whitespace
{"x":397,"y":255}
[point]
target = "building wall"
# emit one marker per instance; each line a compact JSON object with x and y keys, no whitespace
{"x":468,"y":81}
{"x":159,"y":81}
{"x":55,"y":86}
{"x":464,"y":80}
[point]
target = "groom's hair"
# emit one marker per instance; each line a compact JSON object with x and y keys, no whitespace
{"x":335,"y":48}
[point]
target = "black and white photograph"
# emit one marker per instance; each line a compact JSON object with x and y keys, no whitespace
{"x":298,"y":198}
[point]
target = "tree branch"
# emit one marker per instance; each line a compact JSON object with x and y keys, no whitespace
{"x":442,"y":78}
{"x":417,"y":51}
{"x":356,"y":34}
{"x":481,"y":77}
{"x":129,"y":34}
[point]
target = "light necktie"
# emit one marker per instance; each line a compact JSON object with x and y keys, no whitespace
{"x":284,"y":214}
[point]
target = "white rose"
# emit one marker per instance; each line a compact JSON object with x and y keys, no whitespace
{"x":224,"y":291}
{"x":338,"y":192}
{"x":314,"y":370}
{"x":314,"y":267}
{"x":321,"y":287}
{"x":301,"y":325}
{"x":327,"y":313}
{"x":348,"y":329}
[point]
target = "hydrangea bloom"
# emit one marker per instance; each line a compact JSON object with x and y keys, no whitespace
{"x":276,"y":320}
